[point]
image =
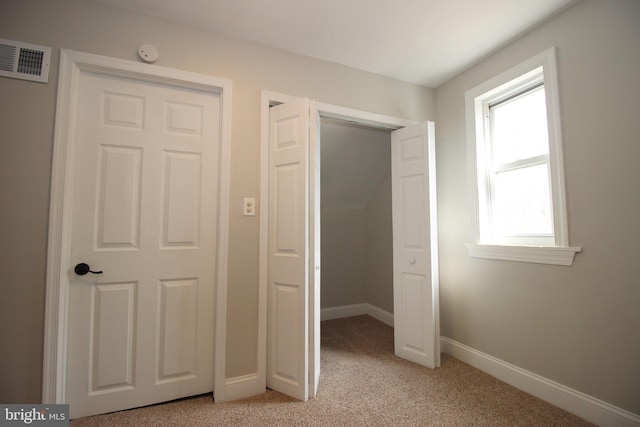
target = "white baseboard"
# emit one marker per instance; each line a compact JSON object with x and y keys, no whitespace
{"x":239,"y":388}
{"x":357,"y":310}
{"x":580,"y":404}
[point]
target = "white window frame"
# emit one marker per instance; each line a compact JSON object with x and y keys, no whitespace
{"x":555,"y":250}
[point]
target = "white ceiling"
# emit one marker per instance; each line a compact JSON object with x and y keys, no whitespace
{"x":419,"y":41}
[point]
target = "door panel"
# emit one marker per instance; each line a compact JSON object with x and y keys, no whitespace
{"x":288,"y":258}
{"x":145,"y":194}
{"x":287,"y":364}
{"x":119,"y":180}
{"x":113,"y":337}
{"x":415,"y":262}
{"x":413,"y":287}
{"x":287,"y":211}
{"x":181,"y":200}
{"x":177,"y":340}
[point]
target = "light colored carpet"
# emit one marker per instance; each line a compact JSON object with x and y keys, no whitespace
{"x":363,"y":384}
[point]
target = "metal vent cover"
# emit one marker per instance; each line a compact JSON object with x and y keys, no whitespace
{"x":24,"y":61}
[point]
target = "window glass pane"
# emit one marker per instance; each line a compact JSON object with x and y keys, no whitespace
{"x":522,"y":202}
{"x":519,"y":127}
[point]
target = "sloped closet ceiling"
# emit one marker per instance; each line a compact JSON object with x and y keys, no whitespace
{"x":355,"y":160}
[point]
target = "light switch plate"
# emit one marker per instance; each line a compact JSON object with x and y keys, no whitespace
{"x":249,"y":207}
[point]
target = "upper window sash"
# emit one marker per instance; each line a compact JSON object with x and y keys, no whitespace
{"x":522,"y":115}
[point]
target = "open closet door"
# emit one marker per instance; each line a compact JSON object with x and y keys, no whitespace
{"x":293,"y":273}
{"x":415,"y":245}
{"x":314,"y":245}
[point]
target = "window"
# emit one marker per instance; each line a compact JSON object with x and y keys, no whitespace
{"x":515,"y":164}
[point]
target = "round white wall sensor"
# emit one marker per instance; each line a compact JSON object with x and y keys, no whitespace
{"x":148,"y":53}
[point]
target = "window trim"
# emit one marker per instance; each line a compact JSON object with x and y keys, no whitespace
{"x":559,"y":252}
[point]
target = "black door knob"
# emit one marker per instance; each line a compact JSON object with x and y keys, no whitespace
{"x":82,"y":269}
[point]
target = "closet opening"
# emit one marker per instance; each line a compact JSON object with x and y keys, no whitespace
{"x":356,"y":223}
{"x":304,"y":204}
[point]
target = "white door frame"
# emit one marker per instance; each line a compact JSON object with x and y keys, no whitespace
{"x":72,"y":65}
{"x":328,"y":111}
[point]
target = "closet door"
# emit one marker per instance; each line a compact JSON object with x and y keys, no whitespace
{"x":415,"y":245}
{"x":288,"y":258}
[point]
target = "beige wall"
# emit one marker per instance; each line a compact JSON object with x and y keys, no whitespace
{"x":26,"y":140}
{"x":357,"y":253}
{"x":343,"y":250}
{"x":379,"y":244}
{"x":579,"y":325}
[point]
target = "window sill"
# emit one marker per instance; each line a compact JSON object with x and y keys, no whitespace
{"x":555,"y":255}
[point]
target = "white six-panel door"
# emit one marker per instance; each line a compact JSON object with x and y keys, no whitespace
{"x":415,"y":245}
{"x":145,"y":214}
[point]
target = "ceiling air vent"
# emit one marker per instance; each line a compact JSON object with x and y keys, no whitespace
{"x":24,"y":61}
